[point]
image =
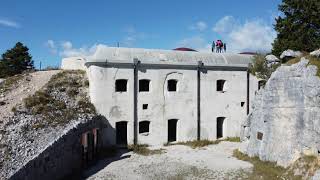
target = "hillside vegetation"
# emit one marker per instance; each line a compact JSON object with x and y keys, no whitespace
{"x":42,"y":117}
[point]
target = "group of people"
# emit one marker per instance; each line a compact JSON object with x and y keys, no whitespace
{"x":219,"y":46}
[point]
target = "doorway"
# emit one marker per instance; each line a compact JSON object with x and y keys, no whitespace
{"x":220,"y":122}
{"x":172,"y":130}
{"x":121,"y":133}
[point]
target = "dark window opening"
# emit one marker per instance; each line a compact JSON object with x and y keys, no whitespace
{"x":172,"y":85}
{"x":259,"y":135}
{"x":121,"y":133}
{"x":261,"y":84}
{"x":145,"y":106}
{"x":144,"y":126}
{"x":121,"y":85}
{"x":144,"y":85}
{"x":172,"y":130}
{"x":220,"y":85}
{"x":242,"y":104}
{"x":220,"y":122}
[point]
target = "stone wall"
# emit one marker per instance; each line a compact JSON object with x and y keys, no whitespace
{"x":62,"y":157}
{"x":285,"y":120}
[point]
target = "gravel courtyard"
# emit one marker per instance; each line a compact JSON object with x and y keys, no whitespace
{"x":176,"y":162}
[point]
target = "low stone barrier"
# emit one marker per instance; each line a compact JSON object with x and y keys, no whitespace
{"x":63,"y":157}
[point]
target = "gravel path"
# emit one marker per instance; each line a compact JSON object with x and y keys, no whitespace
{"x":28,"y":85}
{"x":178,"y":162}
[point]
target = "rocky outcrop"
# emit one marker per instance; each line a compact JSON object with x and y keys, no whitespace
{"x":315,"y":53}
{"x":285,"y":120}
{"x":271,"y":58}
{"x":290,"y":53}
{"x":1,"y":81}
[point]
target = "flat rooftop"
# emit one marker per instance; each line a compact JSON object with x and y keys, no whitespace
{"x":157,"y":56}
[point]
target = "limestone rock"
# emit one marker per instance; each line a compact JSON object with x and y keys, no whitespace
{"x":285,"y":120}
{"x":1,"y":81}
{"x":290,"y":53}
{"x":271,"y":58}
{"x":315,"y":53}
{"x":316,"y":175}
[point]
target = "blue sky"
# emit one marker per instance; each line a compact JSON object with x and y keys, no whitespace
{"x":56,"y":29}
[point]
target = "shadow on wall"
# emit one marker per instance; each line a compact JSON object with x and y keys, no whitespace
{"x":74,"y":151}
{"x":92,"y":161}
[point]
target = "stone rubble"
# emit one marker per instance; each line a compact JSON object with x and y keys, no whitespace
{"x":271,"y":58}
{"x":290,"y":53}
{"x":315,"y":53}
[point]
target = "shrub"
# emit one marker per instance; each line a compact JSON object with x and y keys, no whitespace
{"x":260,"y":69}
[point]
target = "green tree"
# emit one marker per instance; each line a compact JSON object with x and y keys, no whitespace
{"x":15,"y":60}
{"x":299,"y":26}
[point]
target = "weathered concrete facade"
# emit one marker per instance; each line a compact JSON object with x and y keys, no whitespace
{"x":208,"y":98}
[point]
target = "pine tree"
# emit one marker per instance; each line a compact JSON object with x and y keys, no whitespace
{"x":15,"y":60}
{"x":299,"y":26}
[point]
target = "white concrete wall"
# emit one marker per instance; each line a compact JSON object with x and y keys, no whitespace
{"x":73,"y":63}
{"x":164,"y":105}
{"x":115,"y":106}
{"x":223,"y":104}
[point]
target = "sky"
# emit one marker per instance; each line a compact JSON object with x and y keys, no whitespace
{"x":56,"y":29}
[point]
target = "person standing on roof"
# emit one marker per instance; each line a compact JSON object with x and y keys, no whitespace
{"x":217,"y":46}
{"x":213,"y":46}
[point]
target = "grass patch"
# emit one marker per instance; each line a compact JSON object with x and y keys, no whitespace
{"x":49,"y":103}
{"x":10,"y":82}
{"x":263,"y":169}
{"x":143,"y":149}
{"x":202,"y":143}
{"x":198,"y":144}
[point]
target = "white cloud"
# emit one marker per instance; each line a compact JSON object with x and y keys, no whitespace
{"x":69,"y":51}
{"x":50,"y":44}
{"x":225,"y":24}
{"x":9,"y":23}
{"x":253,"y":35}
{"x":196,"y":42}
{"x":66,"y":49}
{"x":132,"y":36}
{"x":200,"y":26}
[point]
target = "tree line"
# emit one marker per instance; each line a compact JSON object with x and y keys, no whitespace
{"x":298,"y":27}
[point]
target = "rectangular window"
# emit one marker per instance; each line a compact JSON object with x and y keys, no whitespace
{"x":259,"y":135}
{"x":144,"y":126}
{"x":121,"y":85}
{"x":172,"y":85}
{"x":144,"y":85}
{"x":145,"y":106}
{"x":220,"y":85}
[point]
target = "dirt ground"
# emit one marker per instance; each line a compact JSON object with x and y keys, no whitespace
{"x":177,"y":162}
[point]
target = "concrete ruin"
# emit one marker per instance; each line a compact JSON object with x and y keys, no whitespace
{"x":158,"y":96}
